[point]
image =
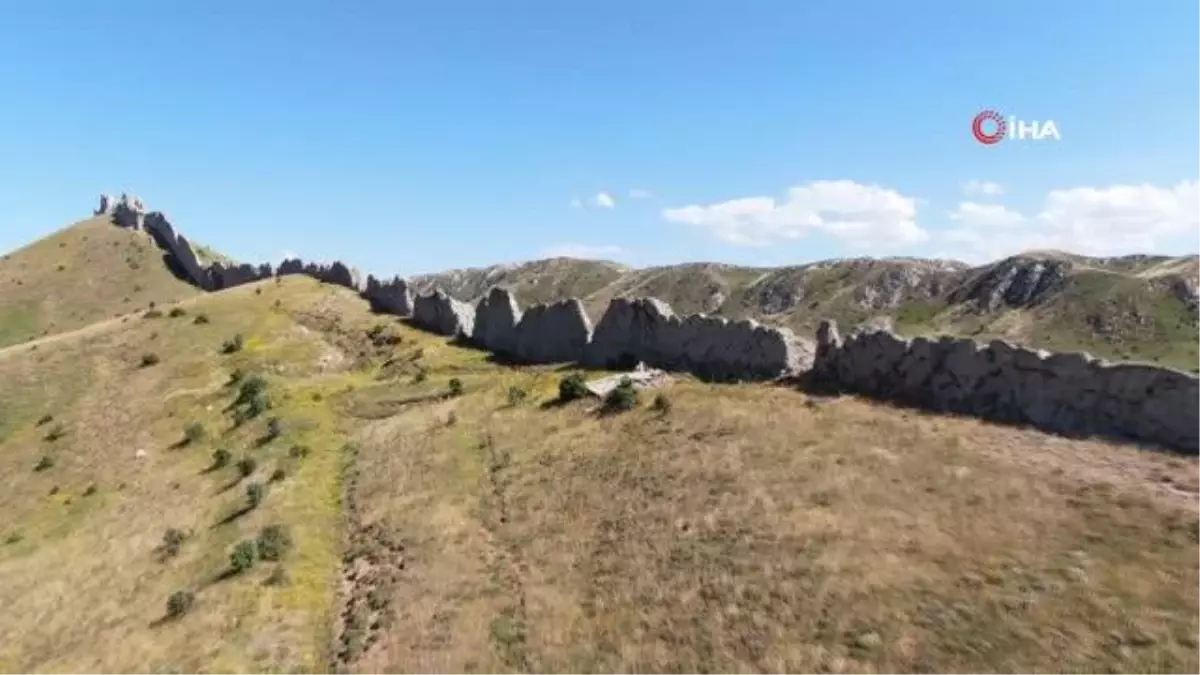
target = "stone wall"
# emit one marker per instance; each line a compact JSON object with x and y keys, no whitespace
{"x":496,"y":319}
{"x":1064,"y":393}
{"x":647,"y":330}
{"x":439,"y":313}
{"x":555,"y":333}
{"x":390,"y":297}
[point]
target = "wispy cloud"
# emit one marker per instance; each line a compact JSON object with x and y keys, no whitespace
{"x":982,"y":188}
{"x":603,"y":200}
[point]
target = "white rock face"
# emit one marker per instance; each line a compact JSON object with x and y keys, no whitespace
{"x":496,"y":318}
{"x":556,"y":333}
{"x":392,"y":297}
{"x":439,"y":313}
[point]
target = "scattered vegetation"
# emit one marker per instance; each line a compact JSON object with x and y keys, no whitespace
{"x":149,"y":359}
{"x":44,"y":463}
{"x":13,"y":538}
{"x":172,"y":542}
{"x":456,"y":387}
{"x":45,"y":419}
{"x":571,"y":388}
{"x":221,"y":458}
{"x":233,"y":344}
{"x":274,"y":428}
{"x":278,"y":475}
{"x":193,"y":433}
{"x":274,"y":541}
{"x":180,"y":603}
{"x":516,"y":396}
{"x":298,"y":451}
{"x":56,"y":432}
{"x":152,"y":314}
{"x":662,"y":403}
{"x":246,"y":466}
{"x":91,"y":490}
{"x":200,"y":319}
{"x":176,"y":312}
{"x":243,"y":556}
{"x":255,"y":493}
{"x":623,"y":397}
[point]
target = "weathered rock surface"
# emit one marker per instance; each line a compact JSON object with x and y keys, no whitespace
{"x":392,"y":297}
{"x":107,"y":204}
{"x":496,"y":318}
{"x":224,"y":276}
{"x":555,"y":333}
{"x":442,"y":314}
{"x":1066,"y":393}
{"x":647,"y":330}
{"x":179,"y":251}
{"x":129,"y":212}
{"x":1018,"y":281}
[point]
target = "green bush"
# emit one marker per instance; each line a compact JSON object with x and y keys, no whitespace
{"x":180,"y":603}
{"x":251,"y":387}
{"x":221,"y":458}
{"x":194,"y":432}
{"x":274,"y":541}
{"x":246,"y":466}
{"x":243,"y":556}
{"x":516,"y":395}
{"x":172,"y":541}
{"x":176,"y":312}
{"x":456,"y":387}
{"x":44,"y":463}
{"x":255,"y":493}
{"x":236,"y":377}
{"x":233,"y":344}
{"x":149,"y":359}
{"x":572,"y":387}
{"x":662,"y":404}
{"x":623,"y":397}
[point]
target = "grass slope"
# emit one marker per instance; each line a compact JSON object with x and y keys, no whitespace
{"x":81,"y":274}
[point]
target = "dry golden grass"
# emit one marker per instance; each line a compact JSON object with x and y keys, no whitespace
{"x":750,"y":528}
{"x":755,"y":529}
{"x":81,"y":274}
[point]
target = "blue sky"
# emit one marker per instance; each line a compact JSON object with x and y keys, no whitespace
{"x":415,"y":136}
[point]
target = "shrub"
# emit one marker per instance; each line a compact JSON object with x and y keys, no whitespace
{"x":274,"y":541}
{"x":274,"y":428}
{"x":246,"y":466}
{"x":236,"y":377}
{"x":149,"y":359}
{"x":194,"y":432}
{"x":179,"y":603}
{"x":662,"y":404}
{"x":572,"y":387}
{"x":152,"y":314}
{"x":278,"y":475}
{"x":57,"y":432}
{"x":516,"y":395}
{"x":456,"y":387}
{"x":45,"y":419}
{"x":243,"y":556}
{"x":91,"y":490}
{"x":420,"y":376}
{"x":253,"y":408}
{"x":44,"y":463}
{"x":255,"y":493}
{"x":250,"y":387}
{"x":298,"y":451}
{"x":623,"y":397}
{"x":14,"y":538}
{"x":451,"y":419}
{"x":176,"y":312}
{"x":221,"y":458}
{"x":233,"y":344}
{"x":172,"y":541}
{"x":200,"y":319}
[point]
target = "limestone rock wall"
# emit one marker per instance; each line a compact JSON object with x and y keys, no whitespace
{"x":1065,"y":393}
{"x":392,"y":297}
{"x":179,"y":250}
{"x":496,"y":319}
{"x":648,"y":330}
{"x":439,"y":313}
{"x":555,"y":333}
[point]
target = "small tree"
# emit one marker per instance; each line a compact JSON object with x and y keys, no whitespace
{"x":623,"y":397}
{"x":273,"y":542}
{"x":516,"y":395}
{"x":194,"y":432}
{"x":149,"y":359}
{"x":172,"y":541}
{"x":255,"y":493}
{"x":246,"y":466}
{"x":221,"y":458}
{"x":243,"y":556}
{"x":456,"y":387}
{"x":233,"y":344}
{"x":180,"y":603}
{"x":571,"y":388}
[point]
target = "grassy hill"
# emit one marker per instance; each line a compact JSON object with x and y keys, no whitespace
{"x":497,"y":531}
{"x":81,"y":274}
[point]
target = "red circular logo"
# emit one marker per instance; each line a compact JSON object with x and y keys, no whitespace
{"x":996,"y":135}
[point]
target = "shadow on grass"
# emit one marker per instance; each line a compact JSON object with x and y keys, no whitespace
{"x":232,"y":516}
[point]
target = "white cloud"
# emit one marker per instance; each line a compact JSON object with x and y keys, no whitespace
{"x":584,"y":251}
{"x":864,"y":216}
{"x":982,"y":188}
{"x":603,"y":200}
{"x":1114,"y":220}
{"x":638,"y":193}
{"x":577,"y":203}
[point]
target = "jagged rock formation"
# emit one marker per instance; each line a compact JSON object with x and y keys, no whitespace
{"x":393,"y":297}
{"x":1066,"y":393}
{"x":107,"y":204}
{"x":647,"y":330}
{"x":496,"y":318}
{"x":555,"y":333}
{"x":1070,"y":393}
{"x":439,"y":313}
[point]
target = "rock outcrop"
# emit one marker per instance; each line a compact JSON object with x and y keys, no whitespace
{"x":439,"y":313}
{"x":179,"y":251}
{"x":647,"y":330}
{"x":392,"y":297}
{"x":107,"y":204}
{"x":1065,"y":393}
{"x":496,"y":318}
{"x":555,"y":333}
{"x":224,"y":276}
{"x":129,"y":212}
